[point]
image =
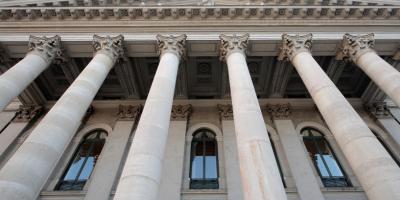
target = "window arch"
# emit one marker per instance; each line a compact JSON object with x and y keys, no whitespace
{"x":380,"y":139}
{"x":324,"y":159}
{"x":204,"y":160}
{"x":82,"y":164}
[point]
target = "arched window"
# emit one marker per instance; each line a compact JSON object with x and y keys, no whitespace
{"x":204,"y":160}
{"x":83,"y":161}
{"x":277,"y":160}
{"x":386,"y":147}
{"x":329,"y":169}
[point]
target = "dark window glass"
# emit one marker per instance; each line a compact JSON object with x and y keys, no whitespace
{"x":324,"y":159}
{"x":277,"y":161}
{"x":81,"y":166}
{"x":387,"y":148}
{"x":204,"y":161}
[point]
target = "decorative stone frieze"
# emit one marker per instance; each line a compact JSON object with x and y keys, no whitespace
{"x":279,"y":111}
{"x":354,"y":46}
{"x":230,"y":44}
{"x":292,"y":45}
{"x":46,"y":47}
{"x":172,"y":44}
{"x":378,"y":110}
{"x":26,"y":113}
{"x":181,"y":112}
{"x":129,"y":112}
{"x":111,"y":46}
{"x":225,"y":111}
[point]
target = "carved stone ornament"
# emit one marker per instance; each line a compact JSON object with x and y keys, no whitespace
{"x":26,"y":113}
{"x":279,"y":111}
{"x":225,"y":111}
{"x":378,"y":110}
{"x":172,"y":44}
{"x":292,"y":45}
{"x":397,"y":55}
{"x":230,"y":44}
{"x":111,"y":46}
{"x":129,"y":112}
{"x":181,"y":112}
{"x":48,"y":48}
{"x":354,"y":46}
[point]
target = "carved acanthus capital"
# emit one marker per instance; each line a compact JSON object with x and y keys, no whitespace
{"x":378,"y":110}
{"x":353,"y":46}
{"x":111,"y":46}
{"x":225,"y":111}
{"x":172,"y":44}
{"x":129,"y":112}
{"x":279,"y":111}
{"x":294,"y":44}
{"x":26,"y":113}
{"x":48,"y":48}
{"x":181,"y":112}
{"x":230,"y":44}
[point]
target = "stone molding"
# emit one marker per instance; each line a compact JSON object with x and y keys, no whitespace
{"x":279,"y":111}
{"x":129,"y":112}
{"x":172,"y":44}
{"x":111,"y":46}
{"x":235,"y":43}
{"x":26,"y":113}
{"x":48,"y":48}
{"x":181,"y":112}
{"x":330,"y":12}
{"x":353,"y":46}
{"x":378,"y":110}
{"x":294,"y":44}
{"x":225,"y":111}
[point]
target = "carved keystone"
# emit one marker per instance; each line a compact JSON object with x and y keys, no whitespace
{"x":172,"y":44}
{"x":48,"y":48}
{"x":230,"y":44}
{"x":225,"y":111}
{"x":181,"y":112}
{"x":353,"y":47}
{"x":292,"y":45}
{"x":111,"y":46}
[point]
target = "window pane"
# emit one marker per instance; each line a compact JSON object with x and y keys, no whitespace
{"x":321,"y":166}
{"x":211,"y":167}
{"x":197,"y":167}
{"x":74,"y":169}
{"x":333,"y":165}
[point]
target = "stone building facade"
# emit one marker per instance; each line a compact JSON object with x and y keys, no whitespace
{"x":199,"y":100}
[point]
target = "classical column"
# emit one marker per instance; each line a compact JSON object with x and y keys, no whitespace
{"x":258,"y":168}
{"x":41,"y":53}
{"x":141,"y":175}
{"x":27,"y":171}
{"x":171,"y":178}
{"x":304,"y":177}
{"x":375,"y":169}
{"x":234,"y":183}
{"x":104,"y":176}
{"x":359,"y":50}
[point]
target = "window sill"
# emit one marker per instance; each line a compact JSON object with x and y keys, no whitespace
{"x":63,"y":193}
{"x":342,"y":189}
{"x":204,"y":191}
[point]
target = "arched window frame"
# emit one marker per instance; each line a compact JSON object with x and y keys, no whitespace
{"x":337,"y":160}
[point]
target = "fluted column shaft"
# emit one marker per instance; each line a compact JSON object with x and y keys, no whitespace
{"x":375,"y":169}
{"x":359,"y":49}
{"x":27,"y":171}
{"x":42,"y":52}
{"x":258,"y":169}
{"x":141,"y":175}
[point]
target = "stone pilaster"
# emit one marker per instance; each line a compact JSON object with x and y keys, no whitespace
{"x":181,"y":112}
{"x":355,"y":46}
{"x":225,"y":111}
{"x":230,"y":44}
{"x":293,"y":45}
{"x":279,"y":111}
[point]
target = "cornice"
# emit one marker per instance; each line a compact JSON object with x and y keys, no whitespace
{"x":198,"y":12}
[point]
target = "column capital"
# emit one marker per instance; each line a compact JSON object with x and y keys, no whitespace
{"x":235,"y":43}
{"x":353,"y":46}
{"x":378,"y":109}
{"x":172,"y":44}
{"x":294,"y":44}
{"x":111,"y":46}
{"x":181,"y":112}
{"x":225,"y":111}
{"x":48,"y":48}
{"x":279,"y":111}
{"x":26,"y":113}
{"x":129,"y":112}
{"x":397,"y":55}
